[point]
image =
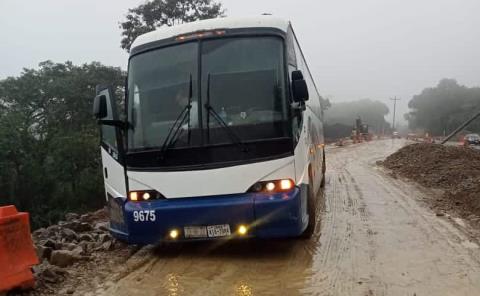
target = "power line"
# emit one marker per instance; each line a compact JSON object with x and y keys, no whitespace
{"x":394,"y":111}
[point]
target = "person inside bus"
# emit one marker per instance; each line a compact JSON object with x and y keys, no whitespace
{"x":181,"y":99}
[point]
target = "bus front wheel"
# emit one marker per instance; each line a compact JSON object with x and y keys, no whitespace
{"x":311,"y":210}
{"x":324,"y":169}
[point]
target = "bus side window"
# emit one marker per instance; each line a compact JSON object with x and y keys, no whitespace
{"x":314,"y":101}
{"x":297,"y":114}
{"x":109,"y":133}
{"x":109,"y":136}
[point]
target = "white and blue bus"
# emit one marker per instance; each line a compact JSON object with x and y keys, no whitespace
{"x":222,"y":136}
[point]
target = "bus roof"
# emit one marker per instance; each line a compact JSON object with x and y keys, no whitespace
{"x":165,"y":32}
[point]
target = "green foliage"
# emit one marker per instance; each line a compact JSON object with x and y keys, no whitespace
{"x":156,"y":13}
{"x":443,"y":108}
{"x":49,"y":155}
{"x":371,"y":112}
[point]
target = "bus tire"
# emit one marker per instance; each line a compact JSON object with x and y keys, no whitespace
{"x":312,"y":211}
{"x":324,"y":169}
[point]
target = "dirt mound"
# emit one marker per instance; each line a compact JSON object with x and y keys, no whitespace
{"x":456,"y":170}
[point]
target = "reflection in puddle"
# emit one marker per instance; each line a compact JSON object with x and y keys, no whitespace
{"x":243,"y":289}
{"x":173,"y":285}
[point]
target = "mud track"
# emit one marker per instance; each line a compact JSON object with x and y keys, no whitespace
{"x":375,"y":238}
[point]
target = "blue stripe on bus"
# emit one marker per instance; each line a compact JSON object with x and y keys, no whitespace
{"x":267,"y":215}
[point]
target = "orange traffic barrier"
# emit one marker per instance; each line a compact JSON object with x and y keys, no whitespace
{"x":17,"y":254}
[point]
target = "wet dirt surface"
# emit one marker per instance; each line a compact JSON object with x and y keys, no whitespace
{"x":375,"y":238}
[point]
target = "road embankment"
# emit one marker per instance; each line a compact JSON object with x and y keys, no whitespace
{"x":455,"y":171}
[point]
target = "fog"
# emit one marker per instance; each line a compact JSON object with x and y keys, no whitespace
{"x":373,"y":49}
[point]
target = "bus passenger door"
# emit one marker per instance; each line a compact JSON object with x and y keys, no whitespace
{"x":112,"y":149}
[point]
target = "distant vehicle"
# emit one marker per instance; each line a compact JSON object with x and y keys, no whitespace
{"x":360,"y":132}
{"x":412,"y":136}
{"x":396,"y":135}
{"x":223,"y":136}
{"x":471,"y":139}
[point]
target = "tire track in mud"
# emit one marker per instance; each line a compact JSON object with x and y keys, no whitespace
{"x":442,"y":231}
{"x":436,"y":258}
{"x":344,"y":225}
{"x":374,"y":284}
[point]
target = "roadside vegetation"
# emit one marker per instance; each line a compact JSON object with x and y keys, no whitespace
{"x":440,"y":110}
{"x":49,"y":157}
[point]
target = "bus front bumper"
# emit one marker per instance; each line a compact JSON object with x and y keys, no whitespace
{"x":264,"y":216}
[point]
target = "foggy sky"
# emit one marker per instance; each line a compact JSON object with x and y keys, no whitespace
{"x":356,"y":49}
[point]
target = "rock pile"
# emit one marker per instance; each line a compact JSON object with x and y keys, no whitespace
{"x":74,"y":240}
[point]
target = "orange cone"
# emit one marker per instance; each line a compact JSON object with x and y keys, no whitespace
{"x":17,"y":254}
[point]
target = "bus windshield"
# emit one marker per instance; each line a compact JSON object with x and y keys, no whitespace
{"x":230,"y":85}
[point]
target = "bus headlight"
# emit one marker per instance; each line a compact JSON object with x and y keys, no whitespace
{"x":144,"y":195}
{"x":273,"y":186}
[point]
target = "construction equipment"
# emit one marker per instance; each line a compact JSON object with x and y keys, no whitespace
{"x":360,"y":132}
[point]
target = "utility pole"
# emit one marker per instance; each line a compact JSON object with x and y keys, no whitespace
{"x":394,"y":111}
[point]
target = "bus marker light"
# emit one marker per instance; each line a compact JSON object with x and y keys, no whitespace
{"x":286,"y":184}
{"x":242,"y":229}
{"x":173,"y":234}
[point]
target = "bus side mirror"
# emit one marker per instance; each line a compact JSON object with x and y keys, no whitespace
{"x":100,"y":107}
{"x":299,"y":87}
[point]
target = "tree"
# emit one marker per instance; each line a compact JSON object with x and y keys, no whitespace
{"x":371,"y":112}
{"x":49,"y":156}
{"x":156,"y":13}
{"x":439,"y":110}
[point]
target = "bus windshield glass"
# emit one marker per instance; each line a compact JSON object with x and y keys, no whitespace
{"x":230,"y":86}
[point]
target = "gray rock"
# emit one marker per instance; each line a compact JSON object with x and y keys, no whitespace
{"x":103,"y":226}
{"x":41,"y":232}
{"x":50,"y":244}
{"x":52,"y":274}
{"x":63,"y":258}
{"x":69,"y":234}
{"x":104,"y":237}
{"x":53,"y":228}
{"x":71,"y":216}
{"x":107,"y":246}
{"x":78,"y":226}
{"x":68,"y":246}
{"x":85,"y":237}
{"x":43,"y":252}
{"x":78,"y":251}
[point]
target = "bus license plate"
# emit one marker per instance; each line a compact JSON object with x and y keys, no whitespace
{"x":218,"y":230}
{"x":195,"y":231}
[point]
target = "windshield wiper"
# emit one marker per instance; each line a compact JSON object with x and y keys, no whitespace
{"x":235,"y":139}
{"x":175,"y":131}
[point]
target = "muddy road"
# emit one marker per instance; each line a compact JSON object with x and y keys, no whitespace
{"x":376,"y":238}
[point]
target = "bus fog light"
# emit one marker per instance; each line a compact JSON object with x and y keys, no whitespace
{"x":146,"y":196}
{"x":173,"y":234}
{"x":242,"y":229}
